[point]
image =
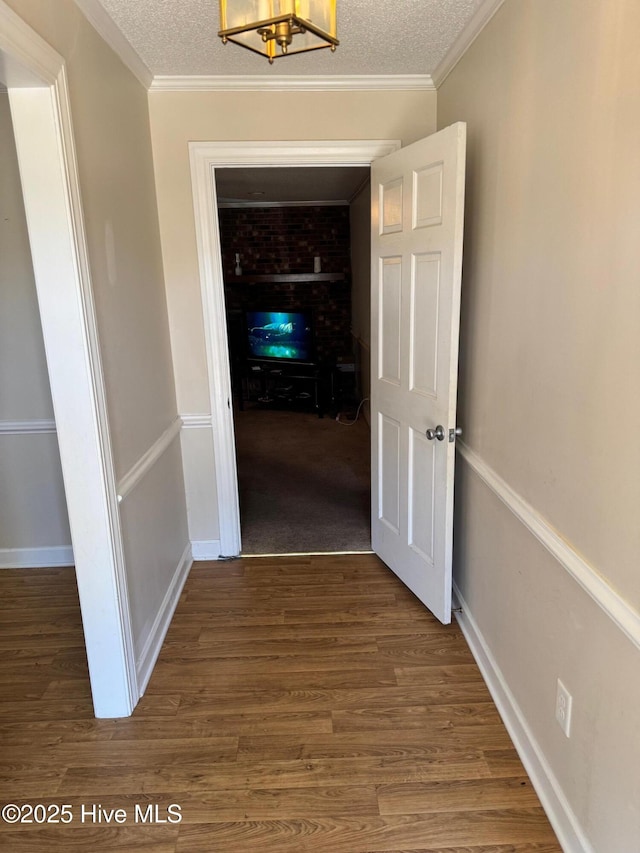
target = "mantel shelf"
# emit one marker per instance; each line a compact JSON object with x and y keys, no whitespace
{"x":285,"y":277}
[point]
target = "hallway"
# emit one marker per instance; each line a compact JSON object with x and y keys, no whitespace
{"x":306,"y":704}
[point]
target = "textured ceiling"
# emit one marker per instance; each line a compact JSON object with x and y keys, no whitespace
{"x":396,"y":37}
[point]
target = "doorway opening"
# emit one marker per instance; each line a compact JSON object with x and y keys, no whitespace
{"x":206,"y":159}
{"x":416,"y":235}
{"x":295,"y":259}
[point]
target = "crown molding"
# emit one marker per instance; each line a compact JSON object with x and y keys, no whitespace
{"x":105,"y":27}
{"x":267,"y":83}
{"x":95,"y":13}
{"x":469,"y":34}
{"x":27,"y":60}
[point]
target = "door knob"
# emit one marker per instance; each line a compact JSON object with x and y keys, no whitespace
{"x":454,"y":432}
{"x":438,"y":433}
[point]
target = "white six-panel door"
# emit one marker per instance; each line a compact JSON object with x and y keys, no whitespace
{"x":417,"y":223}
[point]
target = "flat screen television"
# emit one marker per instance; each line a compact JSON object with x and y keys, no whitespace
{"x":279,"y":335}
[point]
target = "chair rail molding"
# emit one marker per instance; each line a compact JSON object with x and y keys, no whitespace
{"x":196,"y":421}
{"x":30,"y":427}
{"x":135,"y":474}
{"x":594,"y":584}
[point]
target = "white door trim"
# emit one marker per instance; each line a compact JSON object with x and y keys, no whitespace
{"x":35,"y":76}
{"x":205,"y":158}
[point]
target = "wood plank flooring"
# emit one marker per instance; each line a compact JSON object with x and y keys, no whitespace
{"x":299,"y":704}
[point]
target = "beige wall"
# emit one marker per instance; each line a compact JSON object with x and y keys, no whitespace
{"x":550,"y":354}
{"x":33,"y":511}
{"x":180,"y":117}
{"x":111,"y":126}
{"x":24,"y":384}
{"x":113,"y":147}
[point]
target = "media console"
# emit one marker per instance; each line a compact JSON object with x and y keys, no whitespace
{"x":289,"y":384}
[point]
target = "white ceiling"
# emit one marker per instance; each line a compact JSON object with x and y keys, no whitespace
{"x":173,"y":44}
{"x":377,"y":37}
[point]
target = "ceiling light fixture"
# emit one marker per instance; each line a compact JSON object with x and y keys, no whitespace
{"x":263,"y":26}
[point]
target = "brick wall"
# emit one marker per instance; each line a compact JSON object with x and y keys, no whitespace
{"x":276,"y":240}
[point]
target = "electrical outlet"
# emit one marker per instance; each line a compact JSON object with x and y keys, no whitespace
{"x":564,"y":701}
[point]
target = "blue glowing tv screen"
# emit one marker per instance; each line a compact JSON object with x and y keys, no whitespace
{"x":280,"y":335}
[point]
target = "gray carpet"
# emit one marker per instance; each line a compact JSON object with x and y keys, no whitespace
{"x":304,"y":482}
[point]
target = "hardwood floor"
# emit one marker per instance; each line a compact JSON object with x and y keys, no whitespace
{"x":299,"y":704}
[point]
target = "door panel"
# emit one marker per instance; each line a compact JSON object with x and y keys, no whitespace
{"x":390,"y":318}
{"x":391,"y":205}
{"x":417,"y":200}
{"x":428,"y":196}
{"x":425,"y":292}
{"x":422,"y":496}
{"x":389,"y":472}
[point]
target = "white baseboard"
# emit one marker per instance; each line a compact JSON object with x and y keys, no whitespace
{"x":36,"y":558}
{"x":547,"y":787}
{"x":149,"y":654}
{"x":206,"y":549}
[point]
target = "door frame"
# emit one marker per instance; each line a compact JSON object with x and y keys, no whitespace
{"x":205,"y":158}
{"x":36,"y":81}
